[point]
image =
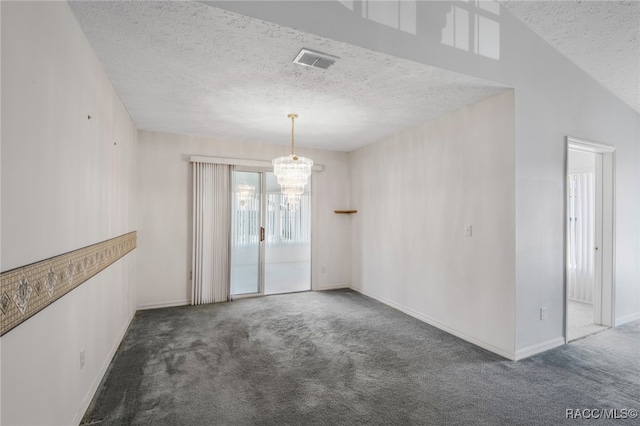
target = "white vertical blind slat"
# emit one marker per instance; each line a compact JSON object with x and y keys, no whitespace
{"x":211,"y":226}
{"x":197,"y":274}
{"x":194,"y":171}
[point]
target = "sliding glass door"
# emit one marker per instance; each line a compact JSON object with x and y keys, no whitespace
{"x":270,"y":239}
{"x":246,"y":233}
{"x":288,"y":245}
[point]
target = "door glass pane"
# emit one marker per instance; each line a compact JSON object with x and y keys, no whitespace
{"x":245,"y":233}
{"x":288,"y":241}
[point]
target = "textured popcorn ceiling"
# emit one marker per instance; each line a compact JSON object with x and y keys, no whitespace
{"x":189,"y":68}
{"x":601,"y":37}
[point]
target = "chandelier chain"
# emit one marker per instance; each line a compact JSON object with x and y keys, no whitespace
{"x":292,"y":117}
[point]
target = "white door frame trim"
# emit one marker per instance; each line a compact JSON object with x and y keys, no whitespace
{"x":608,"y":224}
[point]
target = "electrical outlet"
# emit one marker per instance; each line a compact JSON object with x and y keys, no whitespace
{"x":467,"y":230}
{"x":543,"y":313}
{"x":82,"y":359}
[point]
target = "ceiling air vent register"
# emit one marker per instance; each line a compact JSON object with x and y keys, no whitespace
{"x":311,"y":58}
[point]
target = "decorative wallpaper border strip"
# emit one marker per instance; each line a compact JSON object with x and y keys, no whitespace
{"x":27,"y":290}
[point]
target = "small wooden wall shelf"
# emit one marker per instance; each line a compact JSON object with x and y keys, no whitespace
{"x":345,"y":211}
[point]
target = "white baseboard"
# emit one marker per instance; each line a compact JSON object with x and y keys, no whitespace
{"x":170,"y":304}
{"x":103,"y":369}
{"x":437,"y":324}
{"x":539,"y":347}
{"x":331,"y":287}
{"x":627,"y":318}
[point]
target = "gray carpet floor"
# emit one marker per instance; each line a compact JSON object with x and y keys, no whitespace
{"x":339,"y":358}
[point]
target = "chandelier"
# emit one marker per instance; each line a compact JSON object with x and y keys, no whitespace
{"x":245,"y":193}
{"x":292,"y":173}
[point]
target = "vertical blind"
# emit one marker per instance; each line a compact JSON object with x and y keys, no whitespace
{"x":581,"y":236}
{"x":283,"y":226}
{"x":287,"y":226}
{"x":246,"y":221}
{"x":211,"y":225}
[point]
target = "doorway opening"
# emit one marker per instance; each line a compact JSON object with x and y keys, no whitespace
{"x":589,"y":287}
{"x":270,"y":239}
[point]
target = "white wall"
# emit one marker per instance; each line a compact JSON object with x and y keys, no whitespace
{"x":65,"y":185}
{"x":165,"y":199}
{"x":554,"y":99}
{"x":415,"y":193}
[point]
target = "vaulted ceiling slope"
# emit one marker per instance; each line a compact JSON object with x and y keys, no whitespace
{"x":190,"y":68}
{"x":601,"y":37}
